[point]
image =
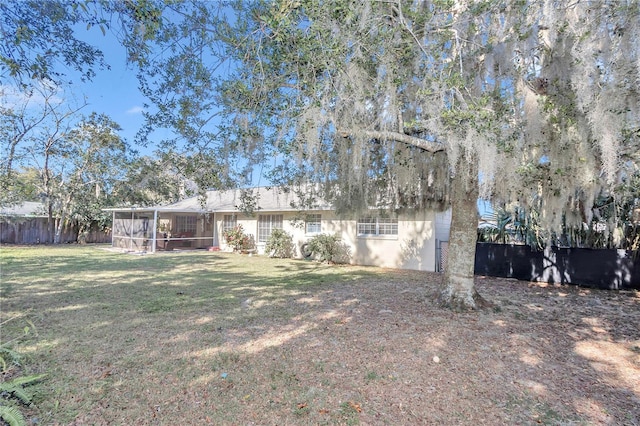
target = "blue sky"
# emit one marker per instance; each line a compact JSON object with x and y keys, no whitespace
{"x":112,"y":91}
{"x":115,"y":92}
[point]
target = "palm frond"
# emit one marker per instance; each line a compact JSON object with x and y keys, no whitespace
{"x":15,"y":387}
{"x":12,"y":416}
{"x":9,"y":356}
{"x":27,"y":380}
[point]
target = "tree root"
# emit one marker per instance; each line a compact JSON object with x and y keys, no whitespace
{"x":456,"y":303}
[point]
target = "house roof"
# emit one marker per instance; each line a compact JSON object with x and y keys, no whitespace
{"x":262,"y":199}
{"x":26,"y":208}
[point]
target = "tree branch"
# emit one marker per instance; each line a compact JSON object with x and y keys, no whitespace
{"x":424,"y":144}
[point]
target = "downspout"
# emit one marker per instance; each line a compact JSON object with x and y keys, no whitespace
{"x":113,"y":224}
{"x":155,"y":230}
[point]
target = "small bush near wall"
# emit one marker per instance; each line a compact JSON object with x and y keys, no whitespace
{"x":328,"y":248}
{"x":237,"y":238}
{"x":279,"y":244}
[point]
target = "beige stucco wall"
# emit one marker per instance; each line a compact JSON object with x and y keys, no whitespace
{"x":413,"y":248}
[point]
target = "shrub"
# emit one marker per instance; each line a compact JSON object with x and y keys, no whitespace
{"x":279,"y":244}
{"x":237,"y":238}
{"x":328,"y":248}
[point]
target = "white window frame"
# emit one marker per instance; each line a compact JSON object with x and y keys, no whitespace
{"x":377,"y":227}
{"x":229,"y":221}
{"x":266,"y":224}
{"x":313,"y":224}
{"x":186,"y":223}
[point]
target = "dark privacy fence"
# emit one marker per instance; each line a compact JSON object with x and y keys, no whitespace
{"x":599,"y":268}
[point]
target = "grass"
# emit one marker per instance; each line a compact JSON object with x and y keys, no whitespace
{"x":111,"y":323}
{"x":218,"y":338}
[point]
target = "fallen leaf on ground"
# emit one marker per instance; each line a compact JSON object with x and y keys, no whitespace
{"x":355,"y":406}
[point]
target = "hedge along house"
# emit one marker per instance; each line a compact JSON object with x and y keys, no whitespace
{"x":414,"y":240}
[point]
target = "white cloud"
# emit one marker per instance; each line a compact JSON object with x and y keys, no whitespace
{"x":42,"y":93}
{"x":135,"y":110}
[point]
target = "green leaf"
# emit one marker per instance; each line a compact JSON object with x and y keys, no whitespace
{"x":27,"y":380}
{"x":12,"y":416}
{"x":20,"y":394}
{"x":9,"y":356}
{"x":14,"y":387}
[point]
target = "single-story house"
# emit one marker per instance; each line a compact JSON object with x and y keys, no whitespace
{"x":415,"y":240}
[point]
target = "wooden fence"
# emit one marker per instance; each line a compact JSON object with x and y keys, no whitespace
{"x":36,"y":231}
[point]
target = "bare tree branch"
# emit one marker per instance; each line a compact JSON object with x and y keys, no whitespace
{"x":423,"y":144}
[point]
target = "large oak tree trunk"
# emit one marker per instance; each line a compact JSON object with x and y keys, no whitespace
{"x":458,"y":290}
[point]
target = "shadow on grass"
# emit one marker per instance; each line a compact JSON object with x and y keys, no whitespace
{"x":213,"y":338}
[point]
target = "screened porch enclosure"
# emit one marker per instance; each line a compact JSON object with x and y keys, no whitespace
{"x":152,"y":230}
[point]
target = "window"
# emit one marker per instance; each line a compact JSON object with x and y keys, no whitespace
{"x":377,"y":226}
{"x":367,"y":226}
{"x":387,"y":226}
{"x":313,"y":224}
{"x":266,"y":224}
{"x":186,"y":224}
{"x":229,"y":222}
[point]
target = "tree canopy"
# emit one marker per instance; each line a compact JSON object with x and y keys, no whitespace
{"x":40,"y":44}
{"x":405,"y":104}
{"x":76,"y":165}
